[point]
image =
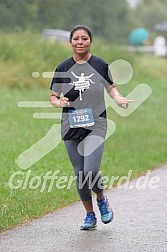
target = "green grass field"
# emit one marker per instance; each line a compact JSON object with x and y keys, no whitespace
{"x":138,"y":144}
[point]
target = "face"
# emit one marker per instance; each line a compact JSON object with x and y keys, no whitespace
{"x":80,"y":42}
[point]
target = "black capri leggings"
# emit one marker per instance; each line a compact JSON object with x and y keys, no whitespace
{"x":85,"y":156}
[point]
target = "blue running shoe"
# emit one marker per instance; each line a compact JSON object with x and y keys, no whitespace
{"x":89,"y":222}
{"x":105,"y":210}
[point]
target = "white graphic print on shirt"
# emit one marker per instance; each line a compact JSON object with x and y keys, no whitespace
{"x":82,"y":83}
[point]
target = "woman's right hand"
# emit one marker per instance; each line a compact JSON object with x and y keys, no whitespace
{"x":63,"y":101}
{"x":58,"y":102}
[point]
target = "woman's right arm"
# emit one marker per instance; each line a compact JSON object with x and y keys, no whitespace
{"x":57,"y":102}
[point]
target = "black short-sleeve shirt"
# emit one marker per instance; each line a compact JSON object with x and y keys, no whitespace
{"x":83,"y":84}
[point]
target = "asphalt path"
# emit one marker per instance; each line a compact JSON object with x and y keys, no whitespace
{"x":139,"y":225}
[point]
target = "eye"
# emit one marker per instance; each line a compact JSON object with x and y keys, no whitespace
{"x":85,"y":38}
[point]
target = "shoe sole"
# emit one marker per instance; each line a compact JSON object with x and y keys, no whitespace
{"x":88,"y":229}
{"x":94,"y":227}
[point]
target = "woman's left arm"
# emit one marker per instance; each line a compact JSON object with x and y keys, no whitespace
{"x":117,"y":97}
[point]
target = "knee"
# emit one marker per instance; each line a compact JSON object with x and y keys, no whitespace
{"x":92,"y":175}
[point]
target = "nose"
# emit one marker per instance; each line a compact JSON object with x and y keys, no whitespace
{"x":80,"y":41}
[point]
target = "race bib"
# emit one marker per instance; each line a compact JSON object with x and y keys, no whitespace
{"x":81,"y":118}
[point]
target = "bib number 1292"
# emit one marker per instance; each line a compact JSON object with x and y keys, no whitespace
{"x":81,"y":118}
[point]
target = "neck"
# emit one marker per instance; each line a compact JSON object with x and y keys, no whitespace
{"x":81,"y":57}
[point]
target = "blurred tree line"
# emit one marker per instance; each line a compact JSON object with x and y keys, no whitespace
{"x":150,"y":12}
{"x":112,"y":20}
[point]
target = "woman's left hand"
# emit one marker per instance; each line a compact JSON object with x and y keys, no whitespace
{"x":122,"y":101}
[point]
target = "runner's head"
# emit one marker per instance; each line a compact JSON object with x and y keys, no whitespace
{"x":81,"y":27}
